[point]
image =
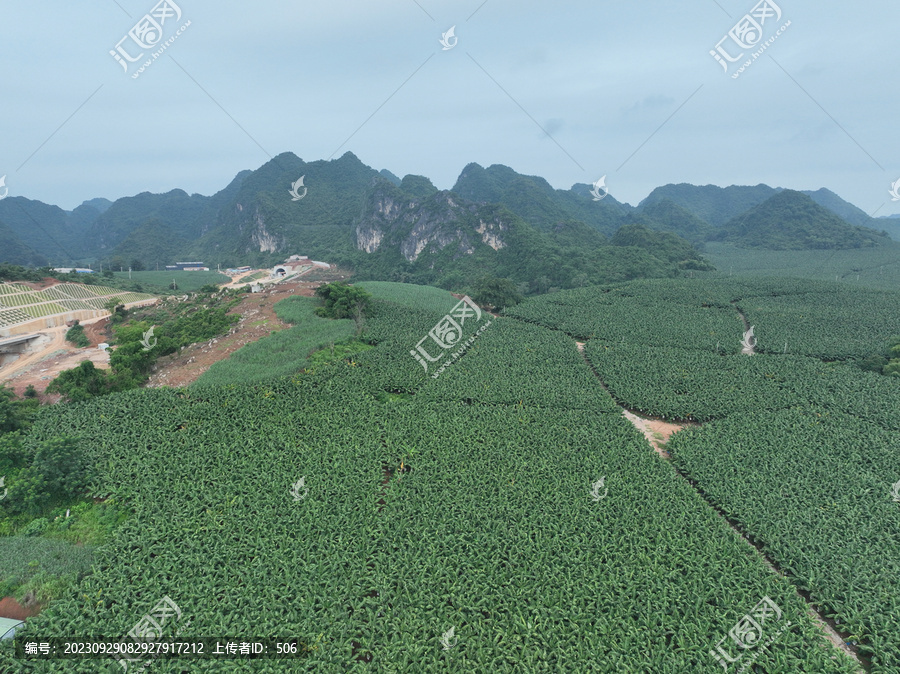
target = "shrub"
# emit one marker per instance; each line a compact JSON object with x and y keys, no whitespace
{"x":37,"y":527}
{"x":76,"y":336}
{"x":500,"y":293}
{"x":58,"y":472}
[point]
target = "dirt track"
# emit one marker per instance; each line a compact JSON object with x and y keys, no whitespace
{"x":258,"y":320}
{"x":43,"y":366}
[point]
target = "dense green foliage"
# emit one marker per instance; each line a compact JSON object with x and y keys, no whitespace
{"x":701,"y":385}
{"x":710,"y":203}
{"x":474,"y":488}
{"x":341,"y":300}
{"x":59,"y":240}
{"x":76,"y":336}
{"x":887,"y":363}
{"x":534,"y":200}
{"x":15,"y":414}
{"x":40,"y":566}
{"x":814,"y":490}
{"x":665,"y":215}
{"x":552,"y":233}
{"x":497,"y":293}
{"x":496,"y":241}
{"x":13,"y":272}
{"x":43,"y":483}
{"x":187,"y":281}
{"x":791,"y":220}
{"x":417,"y":186}
{"x":831,"y":322}
{"x":492,"y":514}
{"x":801,"y":454}
{"x":86,"y":381}
{"x":859,"y":267}
{"x":152,"y":245}
{"x":54,"y":472}
{"x":703,"y":314}
{"x":663,"y":245}
{"x":409,"y":295}
{"x":683,"y":312}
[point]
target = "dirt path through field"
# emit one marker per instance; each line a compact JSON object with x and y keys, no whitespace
{"x":258,"y":320}
{"x":657,"y":434}
{"x":656,"y":431}
{"x":238,"y":279}
{"x":38,"y":369}
{"x":749,"y":349}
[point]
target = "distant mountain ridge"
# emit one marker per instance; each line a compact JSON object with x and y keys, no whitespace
{"x":791,"y":220}
{"x":563,"y":237}
{"x":440,"y":238}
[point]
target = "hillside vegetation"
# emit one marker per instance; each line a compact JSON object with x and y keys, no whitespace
{"x":336,"y":504}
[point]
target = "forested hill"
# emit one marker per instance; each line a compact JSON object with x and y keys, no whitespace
{"x":791,"y":220}
{"x":428,"y":236}
{"x":553,"y":237}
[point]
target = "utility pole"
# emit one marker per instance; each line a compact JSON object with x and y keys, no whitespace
{"x":129,"y":273}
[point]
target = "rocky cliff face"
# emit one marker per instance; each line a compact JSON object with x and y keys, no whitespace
{"x":393,"y":217}
{"x":261,"y":238}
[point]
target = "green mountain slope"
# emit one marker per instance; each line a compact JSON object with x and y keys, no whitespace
{"x":791,"y":220}
{"x":153,"y":243}
{"x":50,"y":231}
{"x":261,"y":222}
{"x":534,"y":200}
{"x":449,"y":241}
{"x":716,"y":205}
{"x":843,"y":209}
{"x":667,"y":216}
{"x":15,"y":251}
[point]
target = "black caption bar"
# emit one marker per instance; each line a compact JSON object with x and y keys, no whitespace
{"x":136,"y":650}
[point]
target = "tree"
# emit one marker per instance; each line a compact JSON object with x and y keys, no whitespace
{"x":15,"y":414}
{"x":117,"y":309}
{"x":80,"y":383}
{"x":341,"y":300}
{"x":108,"y":273}
{"x":540,"y":285}
{"x":76,"y":336}
{"x":58,"y":472}
{"x":62,"y":465}
{"x":112,"y":304}
{"x":495,"y":292}
{"x":580,"y":280}
{"x":130,"y":354}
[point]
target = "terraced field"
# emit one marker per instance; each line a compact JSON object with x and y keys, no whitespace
{"x":19,"y":303}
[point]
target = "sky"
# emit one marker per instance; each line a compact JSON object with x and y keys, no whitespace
{"x":568,"y":91}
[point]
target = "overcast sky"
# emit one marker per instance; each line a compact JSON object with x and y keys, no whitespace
{"x":569,"y":91}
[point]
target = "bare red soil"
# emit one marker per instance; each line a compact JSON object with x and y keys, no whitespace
{"x":10,"y":608}
{"x":258,"y":320}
